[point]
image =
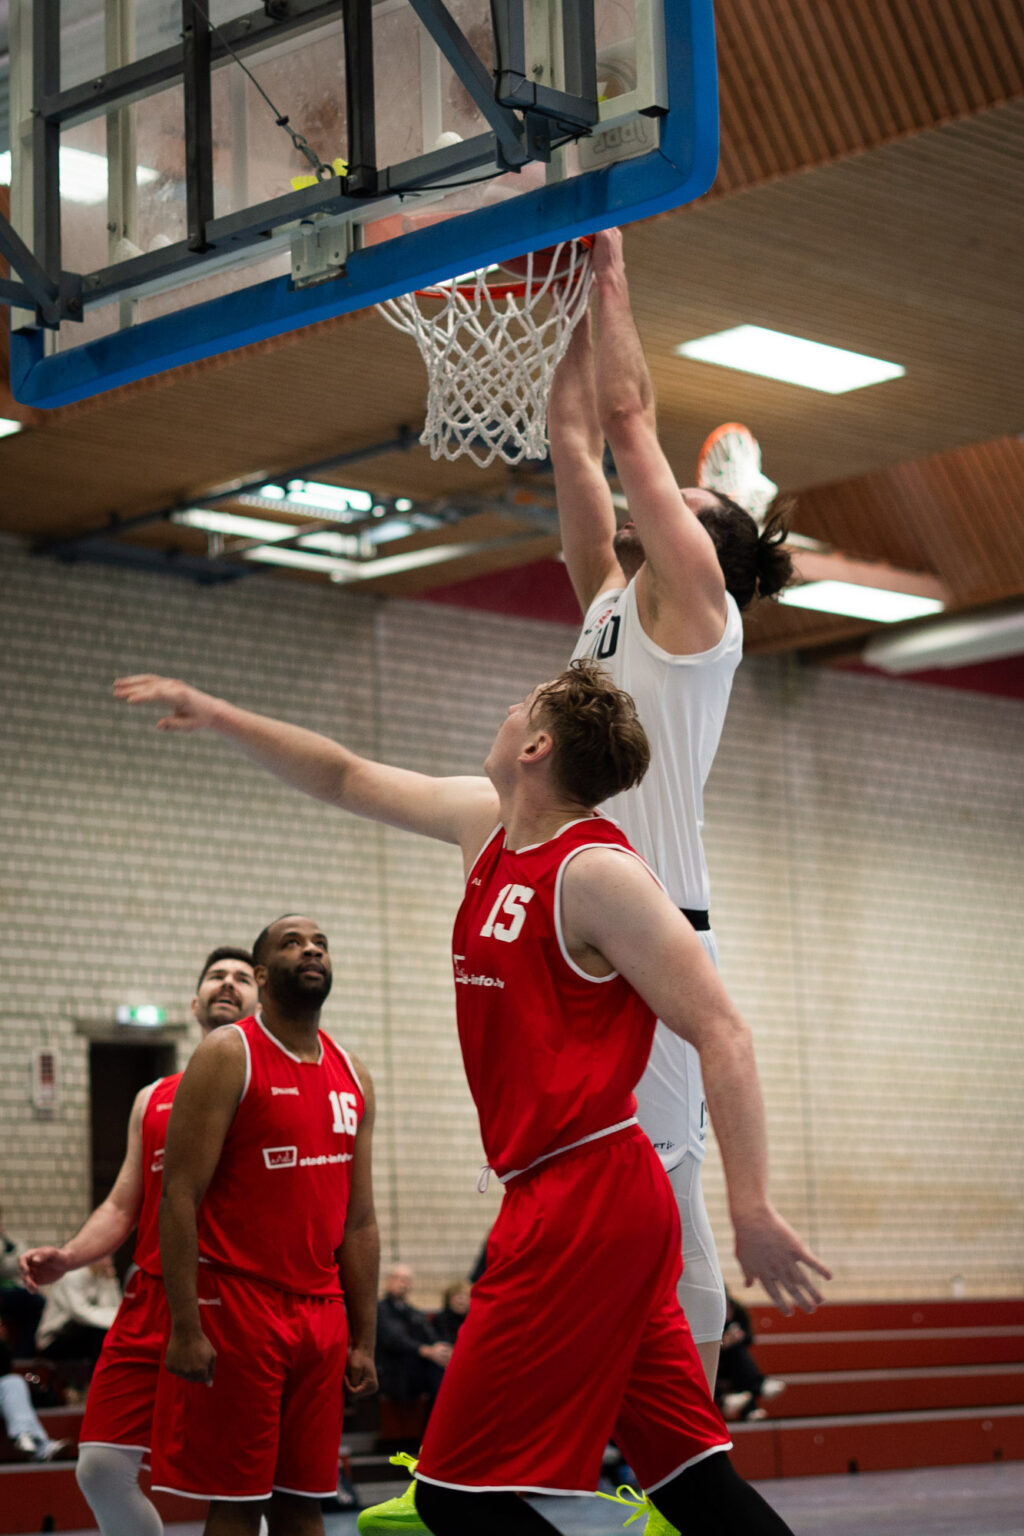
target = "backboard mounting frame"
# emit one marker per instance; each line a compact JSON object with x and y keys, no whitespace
{"x":678,"y":168}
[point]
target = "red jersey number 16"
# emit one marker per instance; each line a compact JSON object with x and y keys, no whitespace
{"x":346,"y":1118}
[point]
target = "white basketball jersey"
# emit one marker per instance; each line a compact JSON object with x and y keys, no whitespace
{"x":682,"y":702}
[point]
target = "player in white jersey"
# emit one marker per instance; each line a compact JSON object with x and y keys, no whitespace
{"x":661,"y":598}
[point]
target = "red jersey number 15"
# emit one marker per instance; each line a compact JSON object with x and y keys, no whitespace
{"x":511,"y":903}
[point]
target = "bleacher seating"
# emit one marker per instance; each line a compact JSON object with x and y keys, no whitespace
{"x":871,"y":1386}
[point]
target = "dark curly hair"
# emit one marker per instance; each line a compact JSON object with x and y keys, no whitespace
{"x":223,"y":952}
{"x":753,"y":561}
{"x":600,"y":747}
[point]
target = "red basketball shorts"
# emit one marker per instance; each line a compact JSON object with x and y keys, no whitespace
{"x":575,"y":1333}
{"x":119,"y":1408}
{"x":272,"y":1417}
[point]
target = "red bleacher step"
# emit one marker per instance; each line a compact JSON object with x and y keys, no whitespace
{"x":882,"y":1391}
{"x":880,"y":1349}
{"x":839,"y":1316}
{"x":32,"y":1497}
{"x":877,"y":1442}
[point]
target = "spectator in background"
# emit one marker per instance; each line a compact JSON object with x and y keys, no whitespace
{"x":740,"y":1384}
{"x":20,"y":1310}
{"x":20,"y":1420}
{"x":452,"y":1315}
{"x":411,"y":1356}
{"x":79,"y":1309}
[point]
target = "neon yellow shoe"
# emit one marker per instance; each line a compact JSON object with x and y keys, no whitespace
{"x":394,"y":1515}
{"x":640,"y":1504}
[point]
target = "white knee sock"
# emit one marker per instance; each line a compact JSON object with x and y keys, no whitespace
{"x":108,"y":1475}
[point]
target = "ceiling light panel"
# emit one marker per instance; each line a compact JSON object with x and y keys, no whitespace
{"x":856,"y":602}
{"x":231,"y":523}
{"x":791,"y":359}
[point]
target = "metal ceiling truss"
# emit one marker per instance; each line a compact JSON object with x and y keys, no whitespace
{"x":224,"y":557}
{"x":526,"y":122}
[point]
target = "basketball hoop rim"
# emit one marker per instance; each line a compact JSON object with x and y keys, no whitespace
{"x":516,"y":289}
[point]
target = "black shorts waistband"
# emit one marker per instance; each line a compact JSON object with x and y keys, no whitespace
{"x":699,"y":920}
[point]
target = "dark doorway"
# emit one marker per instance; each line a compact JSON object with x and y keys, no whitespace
{"x":117,"y":1070}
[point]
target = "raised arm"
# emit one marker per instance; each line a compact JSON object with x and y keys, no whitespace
{"x":359,"y":1254}
{"x":680,"y":586}
{"x":615,"y":915}
{"x":204,"y":1107}
{"x":586,"y":515}
{"x":453,"y":810}
{"x":108,"y":1226}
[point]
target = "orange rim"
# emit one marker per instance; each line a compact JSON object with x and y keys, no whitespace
{"x":716,"y":436}
{"x":516,"y":289}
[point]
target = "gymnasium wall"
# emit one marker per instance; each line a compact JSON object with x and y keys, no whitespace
{"x":865,"y":845}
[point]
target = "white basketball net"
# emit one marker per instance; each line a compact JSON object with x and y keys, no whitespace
{"x":732,"y":465}
{"x":491,"y":357}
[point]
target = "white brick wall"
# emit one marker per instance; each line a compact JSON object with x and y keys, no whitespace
{"x":864,"y":840}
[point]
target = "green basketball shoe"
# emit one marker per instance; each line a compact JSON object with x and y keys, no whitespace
{"x":640,"y":1504}
{"x":395,"y":1515}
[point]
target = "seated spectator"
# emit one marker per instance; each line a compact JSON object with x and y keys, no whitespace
{"x":452,"y":1315}
{"x":20,"y":1309}
{"x":24,"y":1430}
{"x":79,"y":1309}
{"x":410,"y":1356}
{"x":740,"y":1385}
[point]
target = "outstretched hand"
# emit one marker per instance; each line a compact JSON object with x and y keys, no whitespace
{"x":768,"y":1250}
{"x":190,"y":709}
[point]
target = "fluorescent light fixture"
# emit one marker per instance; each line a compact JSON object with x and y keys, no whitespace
{"x":303,"y":560}
{"x":857,"y":602}
{"x":364,"y":570}
{"x":775,"y":355}
{"x":344,"y":544}
{"x":327,"y":498}
{"x":271,"y":492}
{"x":395,"y":528}
{"x":83,"y":175}
{"x":8,"y":426}
{"x":230,"y":522}
{"x":960,"y":641}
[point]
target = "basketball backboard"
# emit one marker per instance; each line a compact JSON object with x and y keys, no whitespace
{"x":170,"y":215}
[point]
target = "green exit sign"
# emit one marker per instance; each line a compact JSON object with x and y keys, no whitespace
{"x":141,"y":1013}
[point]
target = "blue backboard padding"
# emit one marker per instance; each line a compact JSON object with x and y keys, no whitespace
{"x":680,"y":170}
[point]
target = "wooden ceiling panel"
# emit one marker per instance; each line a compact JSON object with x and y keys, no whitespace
{"x":804,"y":82}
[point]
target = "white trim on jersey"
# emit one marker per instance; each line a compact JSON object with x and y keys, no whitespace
{"x":615,"y":848}
{"x":712,"y":1450}
{"x":355,"y":1079}
{"x":609,"y":1130}
{"x":484,"y":847}
{"x":579,"y":820}
{"x":223,"y":1498}
{"x":149,"y":1091}
{"x":555,"y":1493}
{"x":248,"y":1062}
{"x":258,"y":1016}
